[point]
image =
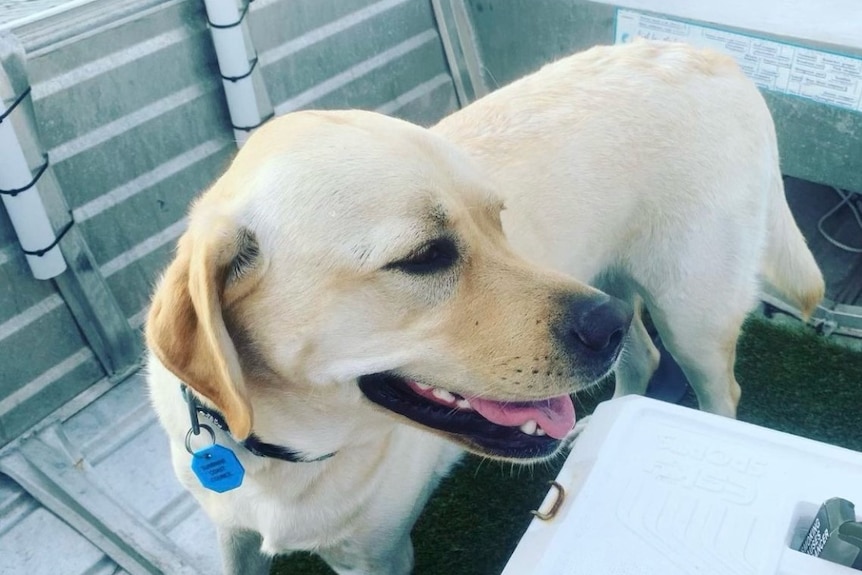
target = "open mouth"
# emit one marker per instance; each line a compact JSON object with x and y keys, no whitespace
{"x":505,"y":429}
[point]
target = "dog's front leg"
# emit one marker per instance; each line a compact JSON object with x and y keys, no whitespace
{"x":240,"y":552}
{"x":381,"y":558}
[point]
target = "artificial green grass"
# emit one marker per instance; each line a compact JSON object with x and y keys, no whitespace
{"x":792,"y":380}
{"x":798,"y":382}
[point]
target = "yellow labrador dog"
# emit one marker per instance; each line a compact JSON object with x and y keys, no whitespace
{"x":358,"y":299}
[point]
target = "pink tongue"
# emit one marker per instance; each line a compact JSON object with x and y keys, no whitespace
{"x":556,"y":415}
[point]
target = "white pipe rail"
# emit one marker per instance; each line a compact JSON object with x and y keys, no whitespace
{"x":236,"y":65}
{"x":25,"y":207}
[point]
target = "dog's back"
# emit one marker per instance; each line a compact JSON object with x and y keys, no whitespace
{"x":651,"y":170}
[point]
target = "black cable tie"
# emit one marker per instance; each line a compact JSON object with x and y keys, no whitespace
{"x":14,"y":192}
{"x":14,"y":105}
{"x":237,"y":23}
{"x":246,"y":75}
{"x":259,"y":124}
{"x":43,"y":251}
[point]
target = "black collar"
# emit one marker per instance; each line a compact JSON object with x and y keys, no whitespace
{"x":252,"y":443}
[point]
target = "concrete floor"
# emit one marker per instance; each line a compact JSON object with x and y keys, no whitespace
{"x":106,"y":469}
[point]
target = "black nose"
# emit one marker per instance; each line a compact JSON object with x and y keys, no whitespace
{"x":595,"y":326}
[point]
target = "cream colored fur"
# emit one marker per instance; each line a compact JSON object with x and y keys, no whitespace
{"x":649,"y":171}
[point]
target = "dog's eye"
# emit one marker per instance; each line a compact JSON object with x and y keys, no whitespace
{"x":435,"y":256}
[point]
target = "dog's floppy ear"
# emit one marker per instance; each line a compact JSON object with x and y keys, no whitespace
{"x":217,"y":262}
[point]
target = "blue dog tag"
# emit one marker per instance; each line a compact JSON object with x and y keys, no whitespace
{"x":217,"y":468}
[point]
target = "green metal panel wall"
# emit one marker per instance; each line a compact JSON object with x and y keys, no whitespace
{"x":384,"y":55}
{"x":516,"y":37}
{"x":135,"y":125}
{"x":44,"y":360}
{"x":131,"y":114}
{"x":131,"y":110}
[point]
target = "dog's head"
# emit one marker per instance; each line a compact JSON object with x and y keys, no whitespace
{"x":355,"y":262}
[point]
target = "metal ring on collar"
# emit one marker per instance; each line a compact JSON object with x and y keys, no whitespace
{"x":189,"y":437}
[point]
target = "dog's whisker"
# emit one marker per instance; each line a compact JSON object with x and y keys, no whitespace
{"x":482,"y":461}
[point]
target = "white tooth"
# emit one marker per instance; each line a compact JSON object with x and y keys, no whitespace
{"x":443,"y":394}
{"x":422,"y":386}
{"x":540,"y":431}
{"x":463,"y":404}
{"x":530,"y":427}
